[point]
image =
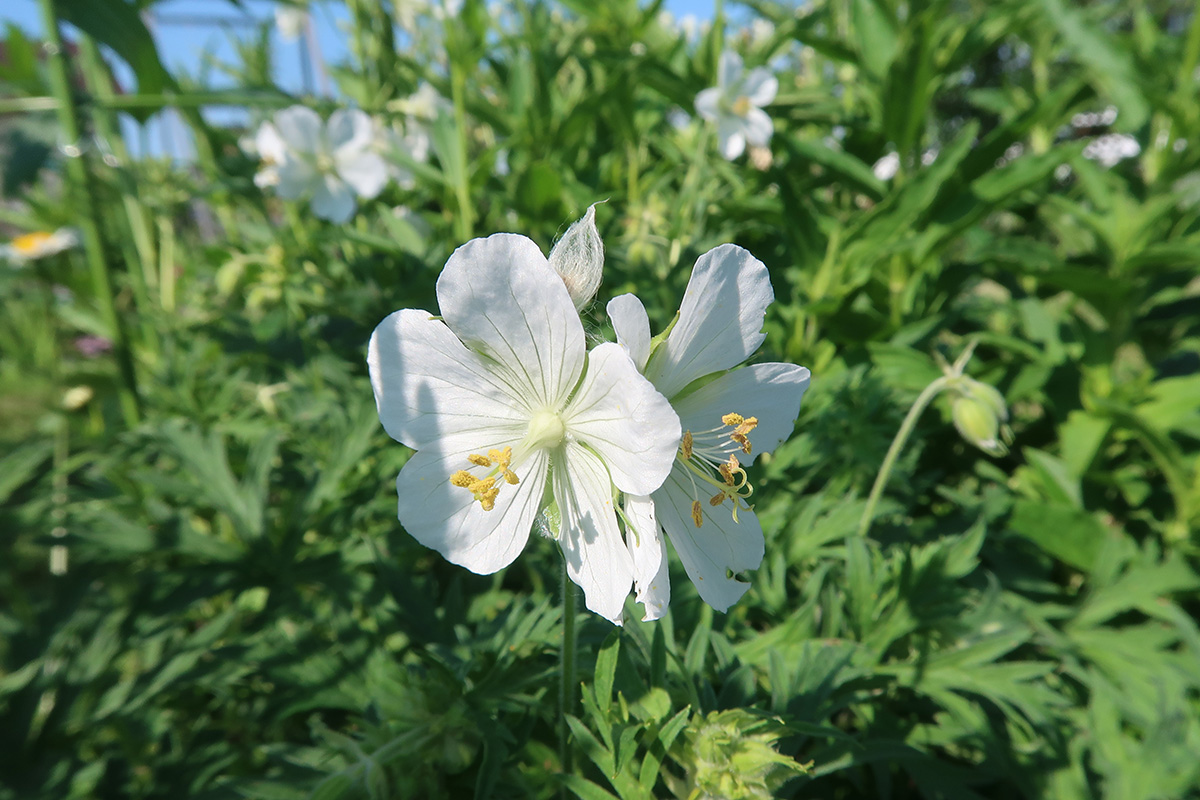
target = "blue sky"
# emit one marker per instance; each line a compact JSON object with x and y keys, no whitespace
{"x":190,"y":31}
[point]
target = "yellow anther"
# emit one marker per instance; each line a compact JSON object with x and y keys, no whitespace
{"x":28,"y":242}
{"x":462,"y":478}
{"x":742,"y":440}
{"x":501,"y":457}
{"x":685,"y":446}
{"x":741,"y":106}
{"x":733,"y":420}
{"x":696,"y":515}
{"x":747,"y":425}
{"x":717,"y":499}
{"x":510,"y":477}
{"x":480,"y":461}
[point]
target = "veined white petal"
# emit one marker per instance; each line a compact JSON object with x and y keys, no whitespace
{"x":648,"y":548}
{"x":632,"y":327}
{"x":429,"y":386}
{"x":760,"y":87}
{"x":716,"y":548}
{"x":625,"y":420}
{"x":729,"y":72}
{"x":333,"y":199}
{"x":350,"y":130}
{"x":720,"y":319}
{"x":597,"y":559}
{"x":365,"y":172}
{"x":758,"y":127}
{"x":770,"y":392}
{"x":301,"y":129}
{"x":448,"y":519}
{"x":500,"y":296}
{"x":708,"y":103}
{"x":731,"y":136}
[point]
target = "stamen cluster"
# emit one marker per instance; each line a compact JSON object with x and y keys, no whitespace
{"x":485,"y":489}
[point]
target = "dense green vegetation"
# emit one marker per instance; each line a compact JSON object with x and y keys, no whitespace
{"x":184,"y":407}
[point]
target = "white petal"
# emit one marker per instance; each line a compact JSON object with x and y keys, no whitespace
{"x":350,"y":131}
{"x":760,"y":87}
{"x":729,"y":71}
{"x":301,"y":129}
{"x":770,"y":392}
{"x":758,"y":127}
{"x":719,"y":546}
{"x":708,"y":103}
{"x":501,"y":298}
{"x":333,"y":200}
{"x":295,"y":178}
{"x":632,"y":327}
{"x":365,"y":172}
{"x":648,"y":548}
{"x":720,"y":319}
{"x":625,"y":420}
{"x":448,"y":519}
{"x":597,"y":559}
{"x":429,"y":386}
{"x":268,"y":144}
{"x":731,"y":137}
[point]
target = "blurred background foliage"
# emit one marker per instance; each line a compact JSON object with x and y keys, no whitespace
{"x":204,"y":591}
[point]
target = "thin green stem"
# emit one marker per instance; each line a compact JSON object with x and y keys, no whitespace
{"x":906,"y":428}
{"x":79,"y":184}
{"x":566,"y":684}
{"x":458,"y":84}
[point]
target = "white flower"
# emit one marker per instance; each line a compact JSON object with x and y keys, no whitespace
{"x":735,"y":104}
{"x":886,"y":168}
{"x":729,"y":417}
{"x":291,"y":22}
{"x":271,"y":153}
{"x":328,"y":162}
{"x":1111,"y":149}
{"x":38,"y":244}
{"x":506,"y":409}
{"x":411,"y":141}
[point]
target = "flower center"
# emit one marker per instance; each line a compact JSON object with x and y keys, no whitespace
{"x":741,"y":106}
{"x":29,"y":242}
{"x":711,"y":457}
{"x":324,"y":163}
{"x":546,"y":430}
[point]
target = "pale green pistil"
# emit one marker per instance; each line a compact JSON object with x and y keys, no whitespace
{"x":546,"y":430}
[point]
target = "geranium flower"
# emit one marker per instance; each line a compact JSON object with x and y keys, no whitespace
{"x":328,"y":162}
{"x":506,"y":409}
{"x":38,"y":244}
{"x":735,"y":104}
{"x":729,"y":417}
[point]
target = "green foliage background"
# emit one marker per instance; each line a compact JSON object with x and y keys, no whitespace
{"x":244,"y":616}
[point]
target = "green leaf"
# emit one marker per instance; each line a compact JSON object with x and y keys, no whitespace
{"x":606,"y":670}
{"x":1069,"y":534}
{"x":118,"y":25}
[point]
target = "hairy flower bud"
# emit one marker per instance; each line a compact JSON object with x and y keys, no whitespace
{"x":578,"y":258}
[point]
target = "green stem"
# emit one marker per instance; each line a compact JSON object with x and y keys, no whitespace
{"x":79,"y":184}
{"x":465,"y":219}
{"x":566,"y":684}
{"x":906,"y":428}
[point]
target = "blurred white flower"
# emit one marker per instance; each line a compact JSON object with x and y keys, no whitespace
{"x":501,"y":168}
{"x":1111,"y":149}
{"x":397,"y":142}
{"x":735,"y":104}
{"x":38,"y":244}
{"x":328,"y":162}
{"x":886,"y":168}
{"x":510,"y":415}
{"x":291,"y":22}
{"x":678,"y":119}
{"x":761,"y":30}
{"x":271,"y":152}
{"x":718,"y":327}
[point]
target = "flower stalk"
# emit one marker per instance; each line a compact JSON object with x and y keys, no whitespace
{"x":566,"y":674}
{"x":79,"y":183}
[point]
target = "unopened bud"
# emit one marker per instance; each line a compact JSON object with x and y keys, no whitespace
{"x":578,"y":258}
{"x":980,"y":414}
